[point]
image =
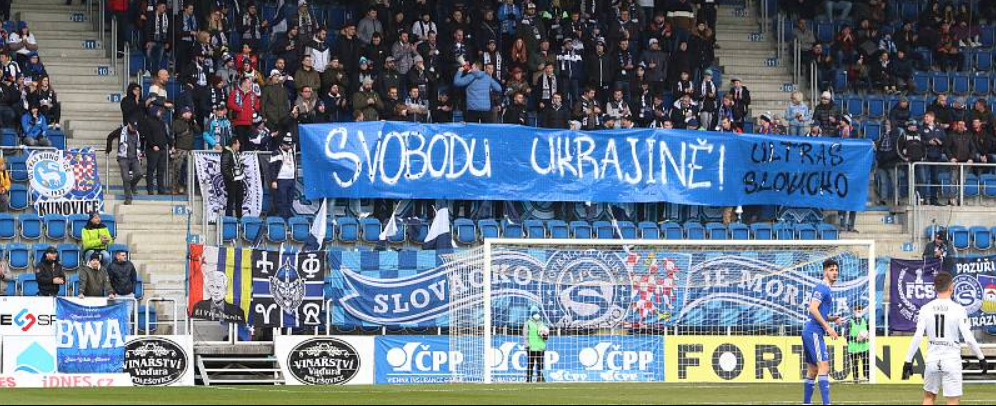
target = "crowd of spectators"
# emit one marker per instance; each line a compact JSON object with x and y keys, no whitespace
{"x":874,"y":48}
{"x":29,"y":104}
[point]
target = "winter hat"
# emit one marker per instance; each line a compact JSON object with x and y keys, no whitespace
{"x":766,"y":116}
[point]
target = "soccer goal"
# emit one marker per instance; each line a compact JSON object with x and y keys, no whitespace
{"x":606,"y":307}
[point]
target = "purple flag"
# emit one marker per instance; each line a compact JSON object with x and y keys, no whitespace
{"x":912,"y":287}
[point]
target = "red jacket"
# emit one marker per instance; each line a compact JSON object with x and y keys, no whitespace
{"x":118,"y":6}
{"x":242,"y":106}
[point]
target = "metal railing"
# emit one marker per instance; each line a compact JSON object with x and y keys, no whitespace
{"x":127,"y":69}
{"x":918,"y":201}
{"x":782,"y":37}
{"x":113,"y":48}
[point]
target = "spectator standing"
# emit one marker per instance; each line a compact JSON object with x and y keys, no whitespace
{"x":283,"y":175}
{"x":244,"y":104}
{"x":97,"y":239}
{"x":275,"y":102}
{"x":368,"y":101}
{"x":94,"y":281}
{"x":10,"y":99}
{"x":307,"y":75}
{"x":934,"y":139}
{"x":368,"y":26}
{"x":188,"y":25}
{"x":158,"y":37}
{"x":319,"y":50}
{"x":233,"y":173}
{"x":49,"y":274}
{"x":857,"y":344}
{"x":826,"y":114}
{"x":886,"y":158}
{"x":127,"y":153}
{"x":588,"y":111}
{"x":185,"y":130}
{"x":252,"y":26}
{"x":478,"y":86}
{"x":219,"y":129}
{"x":157,"y":142}
{"x":741,"y":101}
{"x":555,"y":115}
{"x":798,"y":115}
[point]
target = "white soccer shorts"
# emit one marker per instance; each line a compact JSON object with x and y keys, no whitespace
{"x":943,"y":375}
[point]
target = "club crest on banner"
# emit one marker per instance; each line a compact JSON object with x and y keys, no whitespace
{"x":51,"y":174}
{"x":287,"y":287}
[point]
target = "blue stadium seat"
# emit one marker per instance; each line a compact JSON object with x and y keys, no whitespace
{"x":28,"y":284}
{"x":627,"y":229}
{"x":535,"y":228}
{"x":8,"y":226}
{"x":349,"y":229}
{"x":918,"y":106}
{"x":55,"y":226}
{"x":18,"y":256}
{"x":871,"y":130}
{"x":558,"y":229}
{"x":940,"y":82}
{"x":806,"y":232}
{"x":300,"y":228}
{"x":876,"y":107}
{"x":490,"y":229}
{"x":76,"y":224}
{"x":717,"y":231}
{"x":512,"y":230}
{"x":604,"y":230}
{"x":421,"y":231}
{"x":466,"y":231}
{"x":31,"y":226}
{"x":695,"y":231}
{"x":959,"y":237}
{"x":972,"y":188}
{"x":229,"y":229}
{"x":921,"y":82}
{"x":947,"y":184}
{"x":854,"y":105}
{"x":982,"y":237}
{"x":649,"y":231}
{"x":400,"y":235}
{"x":961,"y":84}
{"x":276,"y":230}
{"x":114,"y":249}
{"x":252,"y":229}
{"x":17,"y":164}
{"x":111,"y":223}
{"x":69,"y":254}
{"x":981,"y":84}
{"x":825,"y":32}
{"x":581,"y":230}
{"x":673,"y":231}
{"x":739,"y":231}
{"x":38,"y":252}
{"x":984,"y":60}
{"x":987,"y":36}
{"x":909,"y":10}
{"x":19,"y":197}
{"x":783,"y":231}
{"x":762,"y":231}
{"x":828,"y":232}
{"x":933,"y":230}
{"x":840,"y":80}
{"x":988,"y":182}
{"x":140,"y":287}
{"x":371,"y":229}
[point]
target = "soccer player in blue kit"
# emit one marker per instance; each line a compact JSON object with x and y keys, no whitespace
{"x":817,"y":327}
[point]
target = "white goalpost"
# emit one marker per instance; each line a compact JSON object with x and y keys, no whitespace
{"x":610,"y":305}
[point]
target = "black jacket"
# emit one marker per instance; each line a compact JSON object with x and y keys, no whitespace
{"x":154,"y":133}
{"x":123,"y":277}
{"x":231,"y":166}
{"x":555,"y":118}
{"x":46,"y":273}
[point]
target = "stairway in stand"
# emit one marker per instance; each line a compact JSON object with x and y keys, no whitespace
{"x":744,"y":53}
{"x":89,"y":89}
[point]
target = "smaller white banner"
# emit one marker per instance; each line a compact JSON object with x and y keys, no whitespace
{"x":331,"y":360}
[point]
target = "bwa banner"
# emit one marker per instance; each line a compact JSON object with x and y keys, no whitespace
{"x":91,"y":340}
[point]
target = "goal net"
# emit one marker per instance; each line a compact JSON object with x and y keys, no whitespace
{"x":609,"y":305}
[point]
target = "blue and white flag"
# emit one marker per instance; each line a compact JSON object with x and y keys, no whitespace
{"x":91,"y":340}
{"x":319,"y":228}
{"x":440,"y":235}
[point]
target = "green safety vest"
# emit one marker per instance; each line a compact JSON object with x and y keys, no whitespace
{"x":536,"y":342}
{"x":856,"y":327}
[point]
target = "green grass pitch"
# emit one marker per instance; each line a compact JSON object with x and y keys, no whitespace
{"x":582,"y":394}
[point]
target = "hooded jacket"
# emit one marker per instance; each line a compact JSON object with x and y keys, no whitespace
{"x":479,"y":87}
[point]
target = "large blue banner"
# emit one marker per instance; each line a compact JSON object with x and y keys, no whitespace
{"x":91,"y":340}
{"x":431,"y":360}
{"x":500,"y":162}
{"x":656,"y":289}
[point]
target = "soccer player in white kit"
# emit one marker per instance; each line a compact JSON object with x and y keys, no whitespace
{"x":945,"y":323}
